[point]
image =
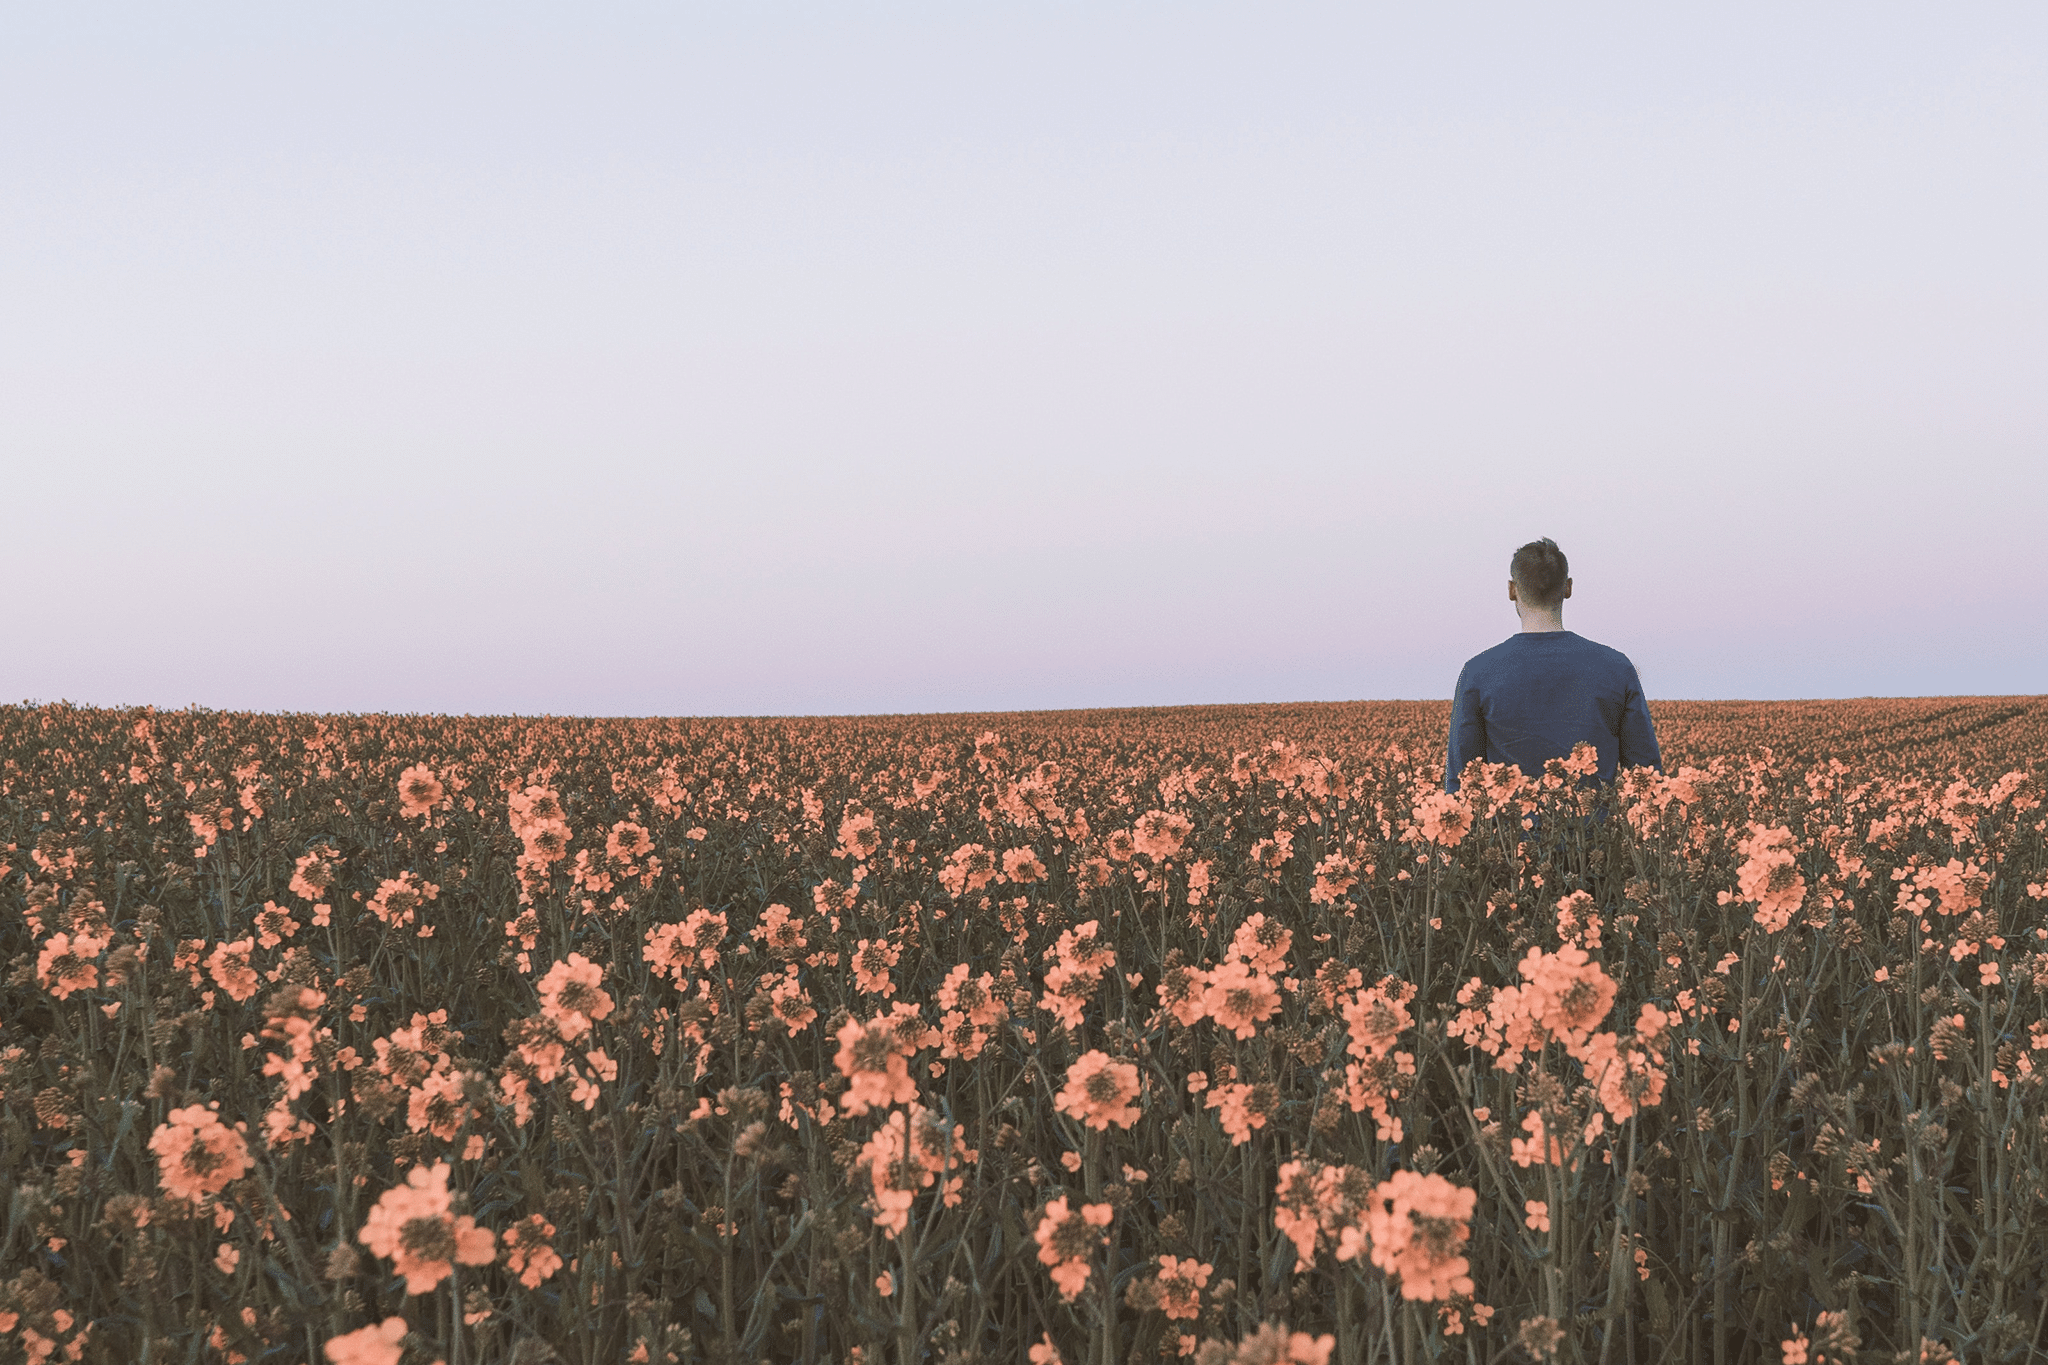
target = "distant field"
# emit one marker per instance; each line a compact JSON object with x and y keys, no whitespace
{"x":1103,"y":1036}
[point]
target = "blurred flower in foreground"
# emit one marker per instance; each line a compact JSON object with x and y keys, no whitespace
{"x":1270,"y":1345}
{"x":1540,"y":1337}
{"x":1415,"y":1225}
{"x":376,"y":1345}
{"x":873,"y":1057}
{"x":411,"y":1225}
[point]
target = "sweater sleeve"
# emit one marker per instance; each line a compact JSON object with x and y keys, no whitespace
{"x":1638,"y":731}
{"x":1468,"y":729}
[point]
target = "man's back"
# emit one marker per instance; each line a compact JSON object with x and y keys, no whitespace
{"x":1536,"y":694}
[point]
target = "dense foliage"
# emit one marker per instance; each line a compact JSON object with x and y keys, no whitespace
{"x":1095,"y":1036}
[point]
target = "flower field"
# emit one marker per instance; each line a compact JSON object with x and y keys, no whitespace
{"x":1209,"y":1033}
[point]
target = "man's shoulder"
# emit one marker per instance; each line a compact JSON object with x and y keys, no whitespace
{"x":1500,"y":653}
{"x":1487,"y":658}
{"x":1607,"y":652}
{"x":1511,"y":652}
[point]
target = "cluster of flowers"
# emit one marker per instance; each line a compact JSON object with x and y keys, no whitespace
{"x":293,"y":1019}
{"x":760,"y":978}
{"x":572,"y":998}
{"x":1564,"y":997}
{"x":69,"y":960}
{"x":1376,"y":1017}
{"x":1410,"y":1225}
{"x":1271,"y":1344}
{"x":197,"y":1155}
{"x":414,"y":1226}
{"x":542,"y":825}
{"x":30,"y":1313}
{"x":1080,"y":958}
{"x":1068,"y":1239}
{"x":912,"y":1150}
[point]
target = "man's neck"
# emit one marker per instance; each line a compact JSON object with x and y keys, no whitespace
{"x":1541,"y":627}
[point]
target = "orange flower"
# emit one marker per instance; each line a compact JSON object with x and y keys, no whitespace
{"x":789,"y":1001}
{"x":989,"y":750}
{"x":1415,"y":1225}
{"x":626,"y":842}
{"x":1374,"y":1084}
{"x":528,"y":1253}
{"x":871,"y":964}
{"x":974,"y":998}
{"x":537,"y":805}
{"x":1770,"y":876}
{"x":1274,"y":853}
{"x":1099,"y":1091}
{"x":419,"y":791}
{"x":969,"y":869}
{"x":274,"y":924}
{"x":197,"y":1155}
{"x":673,"y":949}
{"x":872,"y":1056}
{"x":1627,"y":1074}
{"x":1181,"y":991}
{"x":1180,"y":1287}
{"x":1299,"y":1199}
{"x":412,"y":1226}
{"x":1445,"y":819}
{"x":1577,"y":921}
{"x":1261,"y":944}
{"x":437,"y":1106}
{"x":1240,"y":1109}
{"x":1377,"y":1017}
{"x":1534,"y":1150}
{"x":1240,"y":999}
{"x":1082,"y":959}
{"x":547,"y":843}
{"x":858,"y":837}
{"x":1023,"y":865}
{"x":399,"y":898}
{"x":1159,"y":834}
{"x":1067,"y":1239}
{"x":781,"y":930}
{"x":376,"y":1345}
{"x":66,"y":964}
{"x":1270,"y":1345}
{"x":229,"y":966}
{"x":1568,"y":995}
{"x":571,"y":998}
{"x":313,"y":873}
{"x":909,"y":1153}
{"x":1335,"y":875}
{"x":293,"y":1012}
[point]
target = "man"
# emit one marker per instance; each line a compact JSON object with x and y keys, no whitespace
{"x":1537,"y":693}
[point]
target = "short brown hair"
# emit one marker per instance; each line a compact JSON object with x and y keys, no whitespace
{"x":1539,"y":570}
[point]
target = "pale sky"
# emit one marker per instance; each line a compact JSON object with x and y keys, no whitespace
{"x":780,"y":359}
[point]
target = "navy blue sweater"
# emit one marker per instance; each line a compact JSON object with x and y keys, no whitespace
{"x":1537,"y":693}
